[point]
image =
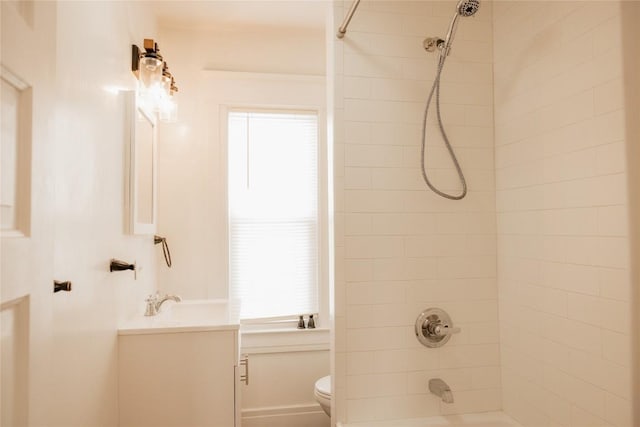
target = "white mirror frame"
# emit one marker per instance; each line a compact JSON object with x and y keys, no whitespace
{"x":133,"y":152}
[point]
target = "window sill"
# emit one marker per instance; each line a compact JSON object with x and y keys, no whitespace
{"x":254,"y":341}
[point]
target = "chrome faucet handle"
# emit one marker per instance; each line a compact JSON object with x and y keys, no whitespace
{"x":151,"y":309}
{"x":443,"y":330}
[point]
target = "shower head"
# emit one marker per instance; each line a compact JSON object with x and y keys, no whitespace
{"x":464,"y":8}
{"x":468,"y":7}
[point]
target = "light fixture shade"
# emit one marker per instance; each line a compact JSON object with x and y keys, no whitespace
{"x":150,"y":71}
{"x":168,"y":110}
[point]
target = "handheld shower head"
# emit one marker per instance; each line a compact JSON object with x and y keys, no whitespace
{"x":465,"y":8}
{"x":468,"y":7}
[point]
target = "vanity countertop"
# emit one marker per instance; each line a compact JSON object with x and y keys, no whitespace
{"x":186,"y":316}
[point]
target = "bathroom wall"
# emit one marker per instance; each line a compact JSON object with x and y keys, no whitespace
{"x":192,"y":198}
{"x":83,"y":48}
{"x":630,"y":34}
{"x":561,"y":189}
{"x":89,"y":194}
{"x":241,"y":66}
{"x":399,"y":247}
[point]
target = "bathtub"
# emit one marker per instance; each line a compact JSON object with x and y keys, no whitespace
{"x":484,"y":419}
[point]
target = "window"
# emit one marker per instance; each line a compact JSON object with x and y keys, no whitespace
{"x":273,"y":212}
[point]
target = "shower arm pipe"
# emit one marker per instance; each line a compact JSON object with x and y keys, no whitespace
{"x":345,"y":23}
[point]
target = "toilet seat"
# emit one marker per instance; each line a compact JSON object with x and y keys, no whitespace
{"x":322,"y":393}
{"x":323,"y":387}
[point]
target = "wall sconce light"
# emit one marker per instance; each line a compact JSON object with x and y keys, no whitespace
{"x":156,"y":84}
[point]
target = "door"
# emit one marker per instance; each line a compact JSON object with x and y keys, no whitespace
{"x":26,"y":250}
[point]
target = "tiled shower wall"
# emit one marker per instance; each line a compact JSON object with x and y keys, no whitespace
{"x":561,"y":212}
{"x":399,"y":247}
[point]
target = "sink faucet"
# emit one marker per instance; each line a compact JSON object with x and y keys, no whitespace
{"x":154,"y":302}
{"x":441,"y":389}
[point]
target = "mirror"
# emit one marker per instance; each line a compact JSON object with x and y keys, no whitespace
{"x":142,"y":168}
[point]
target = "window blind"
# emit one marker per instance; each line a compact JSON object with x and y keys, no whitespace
{"x":273,"y":212}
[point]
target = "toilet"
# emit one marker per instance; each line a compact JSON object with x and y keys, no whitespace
{"x":322,"y":392}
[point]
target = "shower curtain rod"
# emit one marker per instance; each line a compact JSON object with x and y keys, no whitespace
{"x":343,"y":28}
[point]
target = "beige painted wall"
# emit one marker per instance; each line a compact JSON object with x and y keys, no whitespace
{"x":561,"y":191}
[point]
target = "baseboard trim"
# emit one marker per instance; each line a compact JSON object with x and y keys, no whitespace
{"x":285,"y":416}
{"x":270,"y":411}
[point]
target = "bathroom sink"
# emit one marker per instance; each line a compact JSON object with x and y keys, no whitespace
{"x":186,"y":316}
{"x":212,"y":312}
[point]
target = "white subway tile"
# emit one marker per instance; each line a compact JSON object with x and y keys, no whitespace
{"x":618,"y":411}
{"x":376,"y":385}
{"x":404,"y":269}
{"x":395,"y":134}
{"x":616,"y":347}
{"x":371,"y":66}
{"x":469,"y":401}
{"x":558,"y":409}
{"x":357,"y":87}
{"x":436,"y":245}
{"x":609,"y":96}
{"x":368,"y":339}
{"x":583,"y":336}
{"x":357,"y":132}
{"x":422,"y":359}
{"x":376,"y":293}
{"x":615,"y":284}
{"x":356,"y":224}
{"x":360,"y":362}
{"x":358,"y":270}
{"x":376,"y":22}
{"x":373,"y":201}
{"x":357,"y":178}
{"x":379,"y":316}
{"x":396,"y":179}
{"x":387,"y":361}
{"x":584,"y":418}
{"x":609,"y":127}
{"x":383,"y":111}
{"x":607,"y":33}
{"x":398,"y":90}
{"x":611,"y":158}
{"x":608,"y":314}
{"x":469,"y":356}
{"x":373,"y":246}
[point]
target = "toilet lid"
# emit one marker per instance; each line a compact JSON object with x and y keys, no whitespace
{"x":323,"y":385}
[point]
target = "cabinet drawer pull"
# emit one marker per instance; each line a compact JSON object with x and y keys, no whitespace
{"x":245,"y":362}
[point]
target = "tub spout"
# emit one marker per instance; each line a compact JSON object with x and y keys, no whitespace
{"x":441,"y":389}
{"x":447,"y":396}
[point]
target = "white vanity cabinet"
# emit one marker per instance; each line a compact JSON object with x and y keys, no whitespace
{"x":178,"y":377}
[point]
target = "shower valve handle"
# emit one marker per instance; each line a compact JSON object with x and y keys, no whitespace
{"x":442,"y":330}
{"x":436,"y":329}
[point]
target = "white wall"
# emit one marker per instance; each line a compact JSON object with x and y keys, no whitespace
{"x":246,"y":67}
{"x":563,"y":239}
{"x":630,"y":34}
{"x":192,"y":198}
{"x":399,"y":247}
{"x":78,"y":203}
